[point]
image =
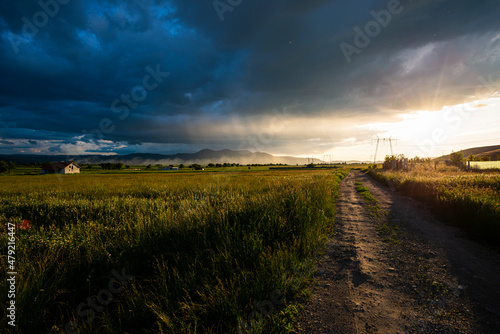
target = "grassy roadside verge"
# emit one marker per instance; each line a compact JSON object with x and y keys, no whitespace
{"x":469,"y":201}
{"x":386,"y":228}
{"x":165,"y":253}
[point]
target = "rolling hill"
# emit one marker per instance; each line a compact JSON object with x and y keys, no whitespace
{"x":202,"y":157}
{"x":492,"y":151}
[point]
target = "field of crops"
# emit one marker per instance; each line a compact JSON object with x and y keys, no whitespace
{"x":468,"y":200}
{"x":164,"y":253}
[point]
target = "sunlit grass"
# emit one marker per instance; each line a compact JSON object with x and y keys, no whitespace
{"x":468,"y":200}
{"x":202,"y":247}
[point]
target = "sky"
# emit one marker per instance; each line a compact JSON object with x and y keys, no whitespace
{"x":310,"y":78}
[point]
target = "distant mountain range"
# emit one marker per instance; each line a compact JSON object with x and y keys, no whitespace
{"x":207,"y":156}
{"x":492,"y":151}
{"x":203,"y":157}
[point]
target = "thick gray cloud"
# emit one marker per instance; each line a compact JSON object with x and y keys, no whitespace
{"x":62,"y":79}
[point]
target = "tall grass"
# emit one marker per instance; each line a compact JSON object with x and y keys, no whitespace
{"x":202,"y":249}
{"x":470,"y":201}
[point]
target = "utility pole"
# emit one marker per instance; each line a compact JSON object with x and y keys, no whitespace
{"x":376,"y":149}
{"x":390,"y":140}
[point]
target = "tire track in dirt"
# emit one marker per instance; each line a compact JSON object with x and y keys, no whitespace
{"x":475,"y":267}
{"x":366,"y":285}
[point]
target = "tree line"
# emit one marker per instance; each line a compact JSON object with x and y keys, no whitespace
{"x":457,"y":158}
{"x":7,"y":166}
{"x":111,"y":166}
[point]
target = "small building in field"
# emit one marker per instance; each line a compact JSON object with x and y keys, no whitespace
{"x":61,"y":168}
{"x":168,"y":168}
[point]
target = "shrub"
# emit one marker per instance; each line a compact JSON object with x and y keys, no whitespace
{"x":456,"y":159}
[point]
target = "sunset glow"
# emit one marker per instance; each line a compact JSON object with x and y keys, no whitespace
{"x":172,"y":77}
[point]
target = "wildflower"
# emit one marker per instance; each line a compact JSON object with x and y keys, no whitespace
{"x":24,"y":225}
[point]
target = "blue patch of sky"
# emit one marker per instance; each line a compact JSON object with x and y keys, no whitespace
{"x":89,"y":39}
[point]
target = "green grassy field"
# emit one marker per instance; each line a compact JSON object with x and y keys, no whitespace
{"x":468,"y":200}
{"x":165,"y":252}
{"x":142,"y":169}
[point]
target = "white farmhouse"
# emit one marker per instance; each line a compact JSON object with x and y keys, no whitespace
{"x":61,"y":168}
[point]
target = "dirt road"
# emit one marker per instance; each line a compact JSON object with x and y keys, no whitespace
{"x":430,"y":280}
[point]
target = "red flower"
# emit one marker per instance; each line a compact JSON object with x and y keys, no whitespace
{"x":24,"y":225}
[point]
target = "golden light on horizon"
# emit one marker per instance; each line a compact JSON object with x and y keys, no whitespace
{"x":430,"y":133}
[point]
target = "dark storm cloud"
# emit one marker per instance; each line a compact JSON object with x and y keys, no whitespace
{"x":312,"y":68}
{"x":63,"y":80}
